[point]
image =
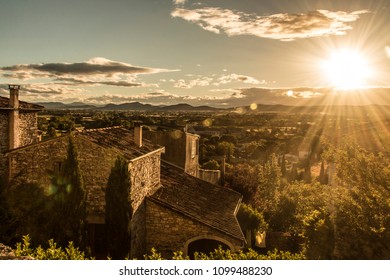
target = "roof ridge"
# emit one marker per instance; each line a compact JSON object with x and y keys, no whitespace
{"x":103,"y":128}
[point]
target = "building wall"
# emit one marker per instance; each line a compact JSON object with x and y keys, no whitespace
{"x":211,"y":176}
{"x":168,"y":231}
{"x":138,"y":232}
{"x":28,"y":127}
{"x":95,"y":164}
{"x":174,"y":143}
{"x":181,"y":148}
{"x":34,"y":163}
{"x":145,"y":177}
{"x":4,"y":140}
{"x":192,"y":154}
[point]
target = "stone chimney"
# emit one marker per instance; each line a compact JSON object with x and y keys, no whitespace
{"x":14,"y":140}
{"x":138,"y":136}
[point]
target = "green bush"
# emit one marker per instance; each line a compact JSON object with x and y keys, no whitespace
{"x":51,"y":253}
{"x":220,"y":254}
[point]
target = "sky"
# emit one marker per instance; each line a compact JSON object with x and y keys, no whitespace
{"x":221,"y":53}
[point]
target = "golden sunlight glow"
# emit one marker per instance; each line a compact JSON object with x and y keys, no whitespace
{"x":347,"y":69}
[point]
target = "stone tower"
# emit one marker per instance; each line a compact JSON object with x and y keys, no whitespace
{"x":18,"y":124}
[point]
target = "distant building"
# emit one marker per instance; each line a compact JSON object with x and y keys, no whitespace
{"x":172,"y":209}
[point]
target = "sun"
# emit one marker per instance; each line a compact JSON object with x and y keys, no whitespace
{"x":347,"y":69}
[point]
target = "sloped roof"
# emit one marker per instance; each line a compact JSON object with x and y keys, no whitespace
{"x":209,"y":204}
{"x":4,"y":104}
{"x":119,"y":138}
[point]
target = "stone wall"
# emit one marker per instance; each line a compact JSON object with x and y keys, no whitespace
{"x":28,"y":126}
{"x":33,"y":163}
{"x":6,"y":253}
{"x":168,"y":231}
{"x":145,"y":177}
{"x":174,"y":143}
{"x":181,"y":149}
{"x":211,"y":176}
{"x":138,"y":232}
{"x":95,"y":164}
{"x":4,"y":140}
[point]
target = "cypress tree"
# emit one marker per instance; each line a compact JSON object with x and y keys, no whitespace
{"x":323,"y":178}
{"x":68,"y":201}
{"x":118,"y":210}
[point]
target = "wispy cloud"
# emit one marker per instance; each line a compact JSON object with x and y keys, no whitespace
{"x":215,"y":80}
{"x":225,"y":79}
{"x":45,"y":91}
{"x":200,"y":82}
{"x":283,"y":26}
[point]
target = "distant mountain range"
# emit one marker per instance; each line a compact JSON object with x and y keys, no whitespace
{"x":132,"y":106}
{"x":137,"y":106}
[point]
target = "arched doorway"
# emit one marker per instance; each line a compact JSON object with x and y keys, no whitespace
{"x":205,"y":245}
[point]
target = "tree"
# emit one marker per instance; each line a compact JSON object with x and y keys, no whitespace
{"x":251,"y":221}
{"x":118,"y":210}
{"x":268,"y":182}
{"x":362,"y":203}
{"x":225,"y":149}
{"x":53,"y":212}
{"x":323,"y":178}
{"x":68,"y":200}
{"x":211,"y":165}
{"x":305,"y":210}
{"x":242,"y":178}
{"x":8,"y":223}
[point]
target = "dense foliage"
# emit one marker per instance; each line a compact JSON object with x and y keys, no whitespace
{"x":118,"y":210}
{"x":220,"y":254}
{"x":345,"y":217}
{"x":52,"y":252}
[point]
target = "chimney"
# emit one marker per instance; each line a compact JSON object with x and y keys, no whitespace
{"x":14,"y":96}
{"x":138,"y":136}
{"x":14,"y":116}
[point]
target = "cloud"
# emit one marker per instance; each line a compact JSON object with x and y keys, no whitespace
{"x":179,"y":2}
{"x":387,"y":49}
{"x":225,"y":79}
{"x":200,"y":82}
{"x":215,"y":80}
{"x":94,"y":66}
{"x":96,"y":71}
{"x":302,"y":93}
{"x":283,"y":26}
{"x":120,"y":83}
{"x":44,"y":90}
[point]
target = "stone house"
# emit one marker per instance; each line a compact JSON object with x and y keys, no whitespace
{"x":172,"y":210}
{"x":182,"y":149}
